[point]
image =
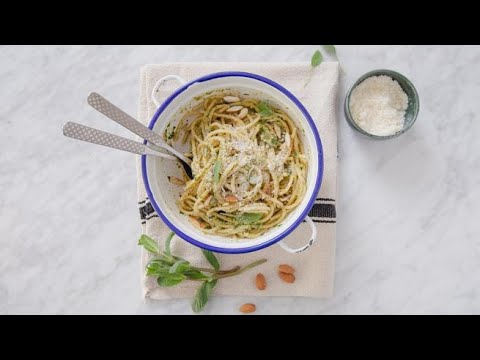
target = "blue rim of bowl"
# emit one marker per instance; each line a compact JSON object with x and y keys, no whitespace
{"x":393,"y":74}
{"x":318,"y":182}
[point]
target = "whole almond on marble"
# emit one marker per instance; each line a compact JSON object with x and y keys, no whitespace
{"x":248,"y":308}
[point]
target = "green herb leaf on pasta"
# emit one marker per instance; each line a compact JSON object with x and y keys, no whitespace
{"x":149,"y":244}
{"x":267,"y":137}
{"x":264,"y":109}
{"x":212,"y":259}
{"x":203,"y":295}
{"x":249,"y":218}
{"x":317,"y":58}
{"x":216,"y":171}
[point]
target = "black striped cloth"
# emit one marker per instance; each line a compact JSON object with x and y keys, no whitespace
{"x":323,"y":211}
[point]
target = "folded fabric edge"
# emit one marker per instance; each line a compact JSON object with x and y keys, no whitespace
{"x":247,"y":63}
{"x":149,"y":296}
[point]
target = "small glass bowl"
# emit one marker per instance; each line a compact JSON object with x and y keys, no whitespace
{"x":413,"y":102}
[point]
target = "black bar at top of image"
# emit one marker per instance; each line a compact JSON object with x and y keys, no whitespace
{"x":265,"y":23}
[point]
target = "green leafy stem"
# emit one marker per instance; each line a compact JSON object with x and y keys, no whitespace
{"x":317,"y":59}
{"x":171,"y":270}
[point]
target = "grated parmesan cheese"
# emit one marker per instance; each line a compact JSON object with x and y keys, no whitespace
{"x":255,"y":159}
{"x":378,"y":105}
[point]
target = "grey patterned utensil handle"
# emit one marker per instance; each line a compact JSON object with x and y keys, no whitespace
{"x":98,"y":102}
{"x":104,"y":106}
{"x":94,"y":136}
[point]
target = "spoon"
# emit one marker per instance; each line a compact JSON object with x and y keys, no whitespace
{"x":111,"y":111}
{"x":94,"y":136}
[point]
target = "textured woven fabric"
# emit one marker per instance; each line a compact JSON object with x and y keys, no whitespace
{"x":317,"y":90}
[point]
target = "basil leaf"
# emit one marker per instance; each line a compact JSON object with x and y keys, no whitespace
{"x":195,"y":275}
{"x":157,"y":267}
{"x":333,"y":51}
{"x":264,"y":110}
{"x":170,"y":280}
{"x":216,"y":171}
{"x":167,"y":242}
{"x":149,"y":244}
{"x":178,"y":258}
{"x":249,"y":218}
{"x":159,"y":263}
{"x":154,"y":271}
{"x":317,"y":58}
{"x":267,"y":137}
{"x":212,"y":259}
{"x":179,"y":267}
{"x":202,"y":295}
{"x":330,"y":49}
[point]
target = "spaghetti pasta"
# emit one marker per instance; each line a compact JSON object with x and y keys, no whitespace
{"x":248,"y":164}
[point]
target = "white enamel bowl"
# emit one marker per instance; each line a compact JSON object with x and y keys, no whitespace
{"x":163,"y":195}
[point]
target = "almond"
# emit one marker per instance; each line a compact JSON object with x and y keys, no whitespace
{"x":288,"y":278}
{"x":176,"y":181}
{"x":207,"y":201}
{"x":267,"y":189}
{"x":248,"y":308}
{"x":234,"y":109}
{"x":278,"y":132}
{"x":260,"y":282}
{"x":231,"y":99}
{"x":243,"y":113}
{"x":231,"y":199}
{"x":199,"y":222}
{"x":287,"y":269}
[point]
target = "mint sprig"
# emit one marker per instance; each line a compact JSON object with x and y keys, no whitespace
{"x":203,"y":295}
{"x":216,"y":170}
{"x":211,"y":258}
{"x":330,"y":49}
{"x":317,"y":58}
{"x":171,"y":270}
{"x":264,"y":109}
{"x":249,"y":218}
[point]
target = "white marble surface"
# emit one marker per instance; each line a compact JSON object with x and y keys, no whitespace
{"x":408,"y":214}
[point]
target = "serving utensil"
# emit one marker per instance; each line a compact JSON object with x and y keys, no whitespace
{"x":94,"y":136}
{"x":99,"y":103}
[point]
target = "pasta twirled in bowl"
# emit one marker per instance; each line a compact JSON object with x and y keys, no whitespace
{"x":248,"y":164}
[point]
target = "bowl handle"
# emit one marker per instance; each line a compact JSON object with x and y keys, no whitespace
{"x":162,"y":81}
{"x":313,"y":238}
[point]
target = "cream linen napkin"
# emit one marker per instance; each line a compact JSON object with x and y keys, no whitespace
{"x":314,"y":267}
